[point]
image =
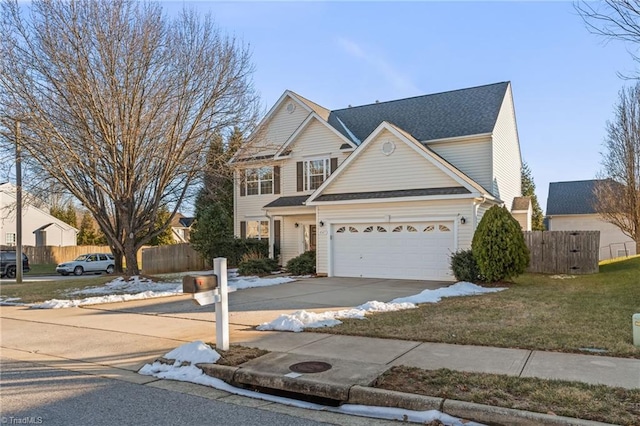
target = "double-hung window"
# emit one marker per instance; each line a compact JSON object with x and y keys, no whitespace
{"x":315,"y":172}
{"x":259,"y":181}
{"x":258,"y":229}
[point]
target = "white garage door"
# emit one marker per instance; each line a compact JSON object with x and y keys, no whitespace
{"x":404,"y":250}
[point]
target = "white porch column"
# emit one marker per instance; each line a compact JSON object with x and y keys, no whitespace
{"x":271,"y":236}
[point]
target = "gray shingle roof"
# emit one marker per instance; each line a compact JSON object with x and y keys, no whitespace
{"x":575,"y":197}
{"x":461,"y":112}
{"x":295,"y":201}
{"x":521,"y":203}
{"x":393,"y":194}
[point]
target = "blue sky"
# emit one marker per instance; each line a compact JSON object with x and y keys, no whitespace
{"x":565,"y":80}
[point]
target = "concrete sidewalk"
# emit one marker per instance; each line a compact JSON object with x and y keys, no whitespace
{"x":592,"y":369}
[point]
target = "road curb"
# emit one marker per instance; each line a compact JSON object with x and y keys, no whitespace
{"x":465,"y":410}
{"x":363,"y":395}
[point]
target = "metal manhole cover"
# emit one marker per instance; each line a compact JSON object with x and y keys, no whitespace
{"x":310,"y":367}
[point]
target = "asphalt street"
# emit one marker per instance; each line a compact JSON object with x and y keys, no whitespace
{"x":36,"y":394}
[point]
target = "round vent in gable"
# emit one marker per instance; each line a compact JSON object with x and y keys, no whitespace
{"x":291,"y":107}
{"x":388,"y":147}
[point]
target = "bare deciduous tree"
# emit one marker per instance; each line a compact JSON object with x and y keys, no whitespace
{"x":120,"y":103}
{"x":618,"y":193}
{"x":613,"y":20}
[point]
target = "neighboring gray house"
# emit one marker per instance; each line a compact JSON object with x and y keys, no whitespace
{"x":570,"y":207}
{"x":39,"y":228}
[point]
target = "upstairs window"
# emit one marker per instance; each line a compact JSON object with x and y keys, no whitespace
{"x":259,"y":181}
{"x":315,"y":172}
{"x":311,"y":173}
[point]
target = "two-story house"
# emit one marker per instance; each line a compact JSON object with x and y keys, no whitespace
{"x":385,"y":190}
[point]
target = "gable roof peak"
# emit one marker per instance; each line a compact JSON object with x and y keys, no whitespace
{"x":318,"y":109}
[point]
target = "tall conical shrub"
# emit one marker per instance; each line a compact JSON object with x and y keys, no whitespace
{"x":498,"y":246}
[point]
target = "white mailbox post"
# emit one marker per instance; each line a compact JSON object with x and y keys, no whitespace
{"x":207,"y":290}
{"x":222,"y":305}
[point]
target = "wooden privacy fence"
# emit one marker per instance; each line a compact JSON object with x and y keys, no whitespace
{"x":563,"y":252}
{"x":172,"y":258}
{"x":57,"y":254}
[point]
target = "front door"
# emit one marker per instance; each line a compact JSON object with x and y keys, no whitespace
{"x":309,"y":237}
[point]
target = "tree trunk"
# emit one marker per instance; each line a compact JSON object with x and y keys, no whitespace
{"x":130,"y":257}
{"x":117,"y":254}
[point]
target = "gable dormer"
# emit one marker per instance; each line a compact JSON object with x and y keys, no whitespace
{"x":276,"y":127}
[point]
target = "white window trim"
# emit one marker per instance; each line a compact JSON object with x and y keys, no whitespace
{"x":260,"y":221}
{"x":306,"y":172}
{"x":259,"y":181}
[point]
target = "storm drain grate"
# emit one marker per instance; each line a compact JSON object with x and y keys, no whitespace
{"x":310,"y":367}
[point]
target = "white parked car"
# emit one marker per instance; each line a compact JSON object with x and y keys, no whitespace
{"x":92,"y":262}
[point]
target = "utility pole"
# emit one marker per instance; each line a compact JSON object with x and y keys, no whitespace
{"x":19,"y":206}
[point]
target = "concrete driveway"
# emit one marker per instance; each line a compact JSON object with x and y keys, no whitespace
{"x":255,"y":306}
{"x":126,"y":335}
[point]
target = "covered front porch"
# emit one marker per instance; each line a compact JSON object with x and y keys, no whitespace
{"x":294,"y":225}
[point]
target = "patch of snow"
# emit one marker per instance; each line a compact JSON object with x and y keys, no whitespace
{"x":11,"y":301}
{"x":135,"y":284}
{"x":138,"y":288}
{"x":562,"y":277}
{"x":195,"y":352}
{"x":95,"y":300}
{"x":300,"y":320}
{"x":461,"y":288}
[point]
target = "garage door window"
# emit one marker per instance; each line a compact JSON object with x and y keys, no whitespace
{"x":429,"y":228}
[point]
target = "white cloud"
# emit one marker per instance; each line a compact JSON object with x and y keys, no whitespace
{"x":399,"y":81}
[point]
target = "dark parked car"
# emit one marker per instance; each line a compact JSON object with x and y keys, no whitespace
{"x":8,"y":263}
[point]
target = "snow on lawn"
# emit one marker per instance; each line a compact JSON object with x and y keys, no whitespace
{"x":137,"y":288}
{"x":300,"y":320}
{"x":185,"y":369}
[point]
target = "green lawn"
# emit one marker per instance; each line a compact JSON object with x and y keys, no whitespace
{"x":571,"y":399}
{"x":536,"y":312}
{"x":41,"y":269}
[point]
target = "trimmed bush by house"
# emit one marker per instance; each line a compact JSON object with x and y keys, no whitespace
{"x":305,"y":264}
{"x":465,"y":267}
{"x":498,"y":246}
{"x":255,"y":263}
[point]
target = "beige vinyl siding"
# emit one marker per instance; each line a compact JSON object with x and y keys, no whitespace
{"x":471,"y":157}
{"x":316,"y":140}
{"x":393,"y":212}
{"x":507,"y":163}
{"x":523,"y":218}
{"x":612,"y":238}
{"x":277,"y":130}
{"x":403,"y":169}
{"x":248,"y":205}
{"x":482,"y":209}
